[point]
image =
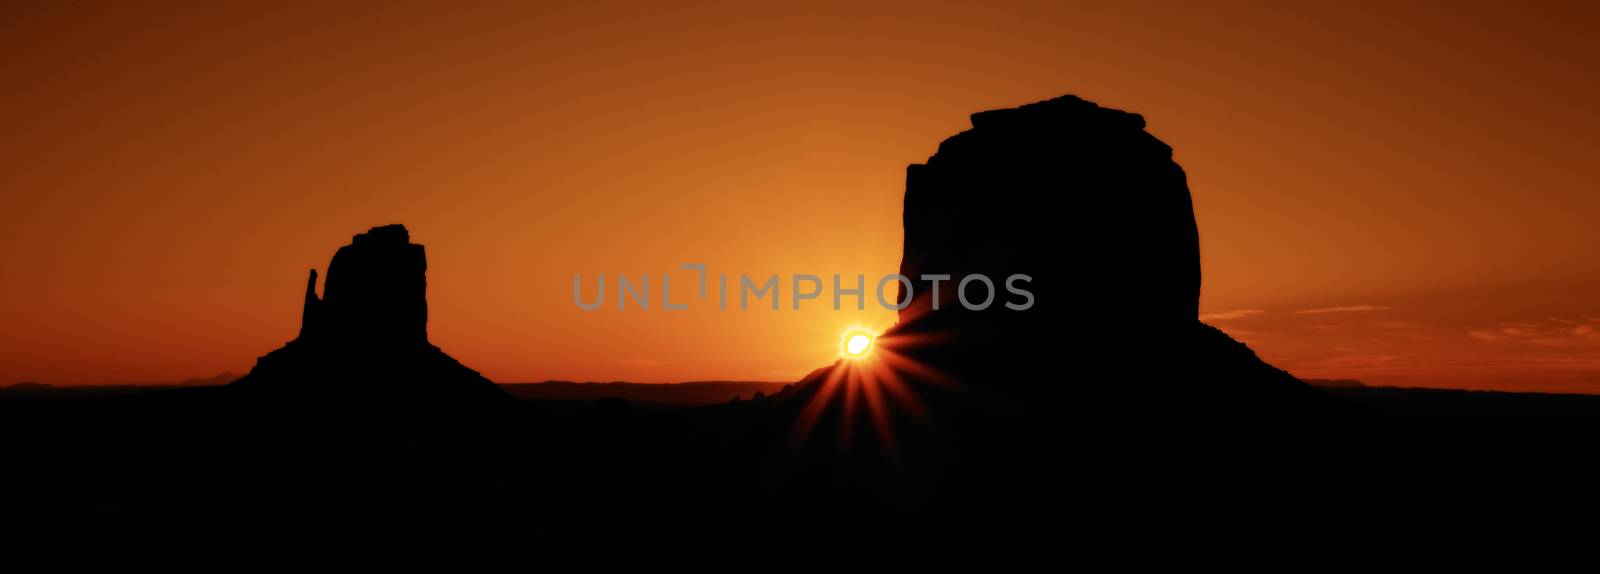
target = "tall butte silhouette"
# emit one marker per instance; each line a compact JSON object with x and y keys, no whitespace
{"x":1093,"y":208}
{"x":366,"y":339}
{"x":1110,"y":369}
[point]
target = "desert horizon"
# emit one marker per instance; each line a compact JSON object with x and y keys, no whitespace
{"x":925,"y":277}
{"x":1400,"y":196}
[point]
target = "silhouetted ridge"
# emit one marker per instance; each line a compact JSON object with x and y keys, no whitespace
{"x":366,"y":338}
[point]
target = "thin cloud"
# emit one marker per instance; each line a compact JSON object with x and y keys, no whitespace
{"x":1338,"y":327}
{"x":1342,"y":309}
{"x":1411,"y":336}
{"x":1482,"y":335}
{"x":1227,"y":315}
{"x":1555,"y":334}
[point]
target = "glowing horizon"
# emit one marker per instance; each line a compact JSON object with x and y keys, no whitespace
{"x":1400,"y":196}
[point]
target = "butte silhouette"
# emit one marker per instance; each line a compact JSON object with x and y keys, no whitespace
{"x":1094,"y":208}
{"x":1111,"y":369}
{"x":366,"y":339}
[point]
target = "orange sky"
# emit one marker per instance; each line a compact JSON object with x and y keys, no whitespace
{"x":1420,"y":176}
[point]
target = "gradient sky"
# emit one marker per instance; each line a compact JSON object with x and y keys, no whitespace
{"x":1394,"y":192}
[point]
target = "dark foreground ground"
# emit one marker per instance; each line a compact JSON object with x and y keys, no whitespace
{"x":186,"y":458}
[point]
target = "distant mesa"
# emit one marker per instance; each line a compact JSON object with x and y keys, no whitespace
{"x":214,"y":381}
{"x":366,"y":338}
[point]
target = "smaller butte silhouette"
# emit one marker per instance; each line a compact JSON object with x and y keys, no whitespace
{"x":366,"y":338}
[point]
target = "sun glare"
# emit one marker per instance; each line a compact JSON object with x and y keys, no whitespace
{"x":857,"y":344}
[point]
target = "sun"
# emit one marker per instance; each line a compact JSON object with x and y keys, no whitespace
{"x":857,"y":344}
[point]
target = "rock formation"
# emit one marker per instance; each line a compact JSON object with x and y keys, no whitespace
{"x":1092,"y":207}
{"x":1077,"y":196}
{"x":1110,"y":379}
{"x":366,"y":338}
